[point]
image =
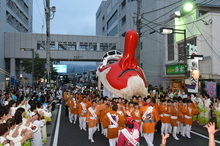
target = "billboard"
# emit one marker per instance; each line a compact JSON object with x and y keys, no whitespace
{"x":60,"y":68}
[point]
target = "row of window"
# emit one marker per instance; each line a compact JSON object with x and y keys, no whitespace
{"x":17,"y":11}
{"x":15,"y":23}
{"x":113,"y":18}
{"x":23,"y":5}
{"x":83,"y":46}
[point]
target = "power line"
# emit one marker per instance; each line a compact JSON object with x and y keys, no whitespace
{"x":159,"y":24}
{"x":161,"y":8}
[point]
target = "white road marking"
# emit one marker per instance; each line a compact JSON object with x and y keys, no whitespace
{"x":203,"y":136}
{"x":55,"y":140}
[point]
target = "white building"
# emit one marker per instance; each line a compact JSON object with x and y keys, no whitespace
{"x":202,"y":34}
{"x":15,"y":16}
{"x":115,"y":17}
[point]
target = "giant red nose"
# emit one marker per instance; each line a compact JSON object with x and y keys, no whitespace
{"x":128,"y":60}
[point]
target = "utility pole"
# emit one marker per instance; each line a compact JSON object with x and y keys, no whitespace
{"x":47,"y":13}
{"x":138,"y":28}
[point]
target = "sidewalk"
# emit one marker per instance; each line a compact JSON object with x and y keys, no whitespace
{"x":51,"y":127}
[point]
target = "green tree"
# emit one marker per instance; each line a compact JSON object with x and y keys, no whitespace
{"x":39,"y":66}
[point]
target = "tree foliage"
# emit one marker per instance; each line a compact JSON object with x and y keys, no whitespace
{"x":39,"y":66}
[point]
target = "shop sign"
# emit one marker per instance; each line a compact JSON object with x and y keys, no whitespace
{"x":175,"y":69}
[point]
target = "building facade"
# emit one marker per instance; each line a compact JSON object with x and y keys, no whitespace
{"x":202,"y":38}
{"x":15,"y":16}
{"x":115,"y":17}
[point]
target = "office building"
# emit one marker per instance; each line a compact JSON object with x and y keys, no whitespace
{"x":15,"y":16}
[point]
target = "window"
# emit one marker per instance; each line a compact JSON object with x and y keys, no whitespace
{"x":123,"y":4}
{"x":170,"y":46}
{"x":113,"y":32}
{"x":123,"y":21}
{"x":182,"y":48}
{"x":71,"y":46}
{"x":112,"y":19}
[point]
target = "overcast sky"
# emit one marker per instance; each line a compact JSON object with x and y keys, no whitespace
{"x":75,"y":17}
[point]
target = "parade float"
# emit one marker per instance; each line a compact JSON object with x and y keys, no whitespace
{"x":120,"y":74}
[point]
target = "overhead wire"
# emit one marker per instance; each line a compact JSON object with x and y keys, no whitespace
{"x":161,"y":8}
{"x":165,"y":21}
{"x":207,"y":41}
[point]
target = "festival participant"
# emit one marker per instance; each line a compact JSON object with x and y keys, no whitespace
{"x":140,"y":101}
{"x":188,"y":112}
{"x":121,"y":110}
{"x":102,"y":114}
{"x":14,"y":133}
{"x":113,"y":121}
{"x":37,"y":135}
{"x":130,"y":136}
{"x":136,"y":114}
{"x":12,"y":107}
{"x":207,"y":104}
{"x":72,"y":105}
{"x":217,"y":112}
{"x":180,"y":117}
{"x":4,"y":114}
{"x":3,"y":135}
{"x":66,"y":96}
{"x":82,"y":111}
{"x":92,"y":120}
{"x":174,"y":112}
{"x":165,"y":120}
{"x":149,"y":117}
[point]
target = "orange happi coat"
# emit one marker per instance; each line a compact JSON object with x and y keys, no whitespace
{"x":136,"y":114}
{"x":82,"y":112}
{"x":150,"y":126}
{"x":165,"y":110}
{"x":90,"y":118}
{"x":103,"y":113}
{"x":174,"y":112}
{"x":120,"y":120}
{"x":188,"y":114}
{"x":72,"y":106}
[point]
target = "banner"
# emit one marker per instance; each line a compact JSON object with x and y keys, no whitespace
{"x":211,"y":88}
{"x":194,"y":76}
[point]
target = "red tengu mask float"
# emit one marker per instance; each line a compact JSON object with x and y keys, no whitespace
{"x":124,"y":78}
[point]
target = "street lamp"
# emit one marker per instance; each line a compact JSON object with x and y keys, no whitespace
{"x":166,"y":30}
{"x":32,"y":65}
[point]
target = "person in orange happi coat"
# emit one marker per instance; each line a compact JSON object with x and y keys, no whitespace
{"x":73,"y":107}
{"x":188,"y":112}
{"x":102,"y":114}
{"x":121,"y":110}
{"x":66,"y":96}
{"x":82,"y":111}
{"x":100,"y":106}
{"x":136,"y":113}
{"x":174,"y":112}
{"x":114,"y":122}
{"x":92,"y":120}
{"x":149,"y":117}
{"x":165,"y":120}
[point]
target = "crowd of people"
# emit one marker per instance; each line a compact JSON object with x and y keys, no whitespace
{"x":167,"y":112}
{"x":24,"y":115}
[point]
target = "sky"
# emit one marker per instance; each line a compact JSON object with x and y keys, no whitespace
{"x":76,"y":17}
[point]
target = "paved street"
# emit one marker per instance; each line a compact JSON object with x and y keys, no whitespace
{"x":70,"y":135}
